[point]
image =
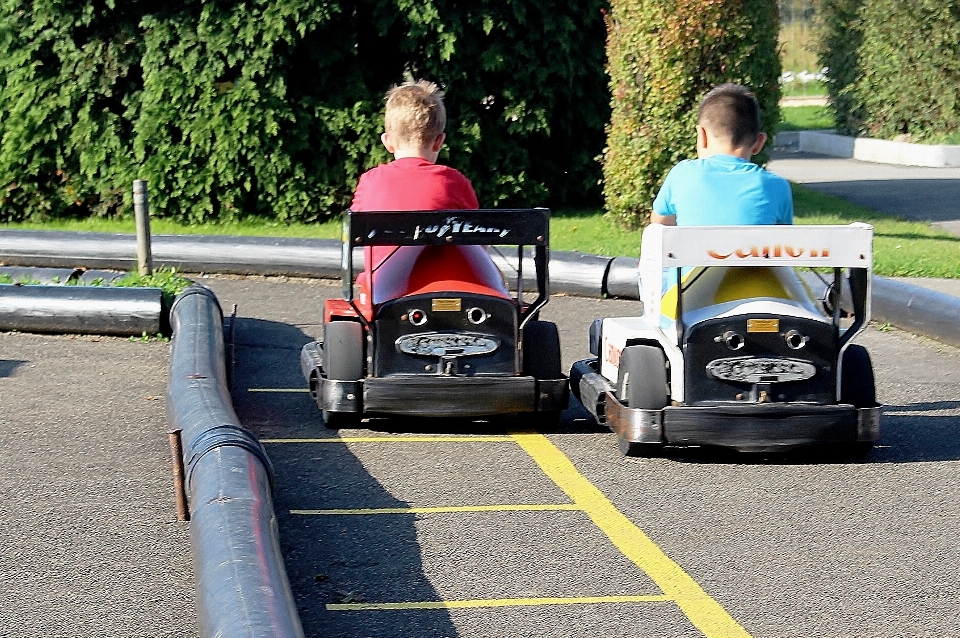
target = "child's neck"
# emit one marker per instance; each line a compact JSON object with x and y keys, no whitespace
{"x":423,"y":153}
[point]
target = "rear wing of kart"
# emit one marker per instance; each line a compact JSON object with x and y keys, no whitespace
{"x":519,"y":227}
{"x":835,"y":247}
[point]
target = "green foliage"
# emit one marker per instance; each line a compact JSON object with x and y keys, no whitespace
{"x":273,"y":108}
{"x":910,"y":69}
{"x":662,"y":59}
{"x":838,"y":46}
{"x":166,"y":279}
{"x":894,"y":67}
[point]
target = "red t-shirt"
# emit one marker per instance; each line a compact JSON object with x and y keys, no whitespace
{"x":413,"y":183}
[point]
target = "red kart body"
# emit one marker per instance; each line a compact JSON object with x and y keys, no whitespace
{"x":433,"y":329}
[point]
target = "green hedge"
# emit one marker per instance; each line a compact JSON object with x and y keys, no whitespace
{"x":274,"y":107}
{"x":838,"y":45}
{"x":894,"y":67}
{"x":662,"y":58}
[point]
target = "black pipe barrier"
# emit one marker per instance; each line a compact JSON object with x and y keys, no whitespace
{"x":81,"y":309}
{"x":904,"y":305}
{"x":917,"y":310}
{"x":242,"y":586}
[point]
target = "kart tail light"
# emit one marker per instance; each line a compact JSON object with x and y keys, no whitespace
{"x":795,"y":340}
{"x":733,"y":340}
{"x":417,"y":317}
{"x":476,"y":316}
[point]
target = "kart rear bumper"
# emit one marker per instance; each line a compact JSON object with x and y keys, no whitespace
{"x":433,"y":395}
{"x":756,"y":427}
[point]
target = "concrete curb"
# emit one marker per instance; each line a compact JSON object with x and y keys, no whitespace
{"x":878,"y":151}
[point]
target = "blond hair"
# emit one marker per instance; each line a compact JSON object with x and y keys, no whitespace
{"x":415,"y":115}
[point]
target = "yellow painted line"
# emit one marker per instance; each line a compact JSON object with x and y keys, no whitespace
{"x":278,"y":390}
{"x":398,"y":439}
{"x":495,"y":602}
{"x":568,"y":507}
{"x":702,"y":610}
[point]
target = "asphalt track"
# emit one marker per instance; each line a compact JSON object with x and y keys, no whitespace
{"x":513,"y":536}
{"x":451,"y":529}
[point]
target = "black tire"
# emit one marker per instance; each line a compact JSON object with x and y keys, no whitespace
{"x":342,"y":361}
{"x":857,"y":384}
{"x":541,"y":350}
{"x":337,"y":420}
{"x":642,"y":378}
{"x":645,"y":450}
{"x":642,"y":384}
{"x":343,"y":350}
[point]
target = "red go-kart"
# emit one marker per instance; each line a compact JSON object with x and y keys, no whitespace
{"x":433,"y":330}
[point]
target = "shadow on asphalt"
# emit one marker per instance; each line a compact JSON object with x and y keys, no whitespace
{"x":9,"y":366}
{"x":329,"y":559}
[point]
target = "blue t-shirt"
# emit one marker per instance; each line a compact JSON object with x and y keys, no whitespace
{"x":723,"y":190}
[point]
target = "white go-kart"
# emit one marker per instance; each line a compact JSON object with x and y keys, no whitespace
{"x":744,"y":342}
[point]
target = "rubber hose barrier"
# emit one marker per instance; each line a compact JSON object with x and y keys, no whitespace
{"x":242,"y":586}
{"x":916,"y":310}
{"x":81,"y":309}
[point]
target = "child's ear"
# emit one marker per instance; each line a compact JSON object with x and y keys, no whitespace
{"x":701,"y":138}
{"x":387,"y":144}
{"x":437,"y":143}
{"x":758,"y":145}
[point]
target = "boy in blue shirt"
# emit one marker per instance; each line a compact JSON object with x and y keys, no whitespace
{"x":722,"y":187}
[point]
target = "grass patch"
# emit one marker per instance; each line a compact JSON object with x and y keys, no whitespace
{"x":166,"y":279}
{"x":805,"y":118}
{"x":254,"y":227}
{"x":901,"y":248}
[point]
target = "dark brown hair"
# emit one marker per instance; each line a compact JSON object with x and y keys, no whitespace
{"x":731,"y":111}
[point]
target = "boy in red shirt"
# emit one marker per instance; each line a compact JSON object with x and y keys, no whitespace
{"x":414,"y":123}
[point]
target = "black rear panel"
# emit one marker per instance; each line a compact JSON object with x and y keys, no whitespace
{"x":445,"y":336}
{"x":706,"y":343}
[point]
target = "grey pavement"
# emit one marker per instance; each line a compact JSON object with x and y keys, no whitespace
{"x":911,"y":192}
{"x":789,"y":547}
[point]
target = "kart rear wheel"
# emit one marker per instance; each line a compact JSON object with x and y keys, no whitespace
{"x":858,"y":388}
{"x":541,"y":350}
{"x":642,"y":378}
{"x":342,"y":361}
{"x":857,"y":384}
{"x":642,"y":384}
{"x":343,"y":350}
{"x":645,"y":450}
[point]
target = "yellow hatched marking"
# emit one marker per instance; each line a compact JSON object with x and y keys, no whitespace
{"x":702,"y":610}
{"x":494,"y":602}
{"x":278,"y":390}
{"x":565,"y":507}
{"x":398,"y":439}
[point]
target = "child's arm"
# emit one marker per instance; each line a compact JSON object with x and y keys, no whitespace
{"x":666,"y":220}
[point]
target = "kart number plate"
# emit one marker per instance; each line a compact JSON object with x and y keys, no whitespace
{"x":438,"y":344}
{"x":761,"y":370}
{"x":763,"y":325}
{"x":446,"y":304}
